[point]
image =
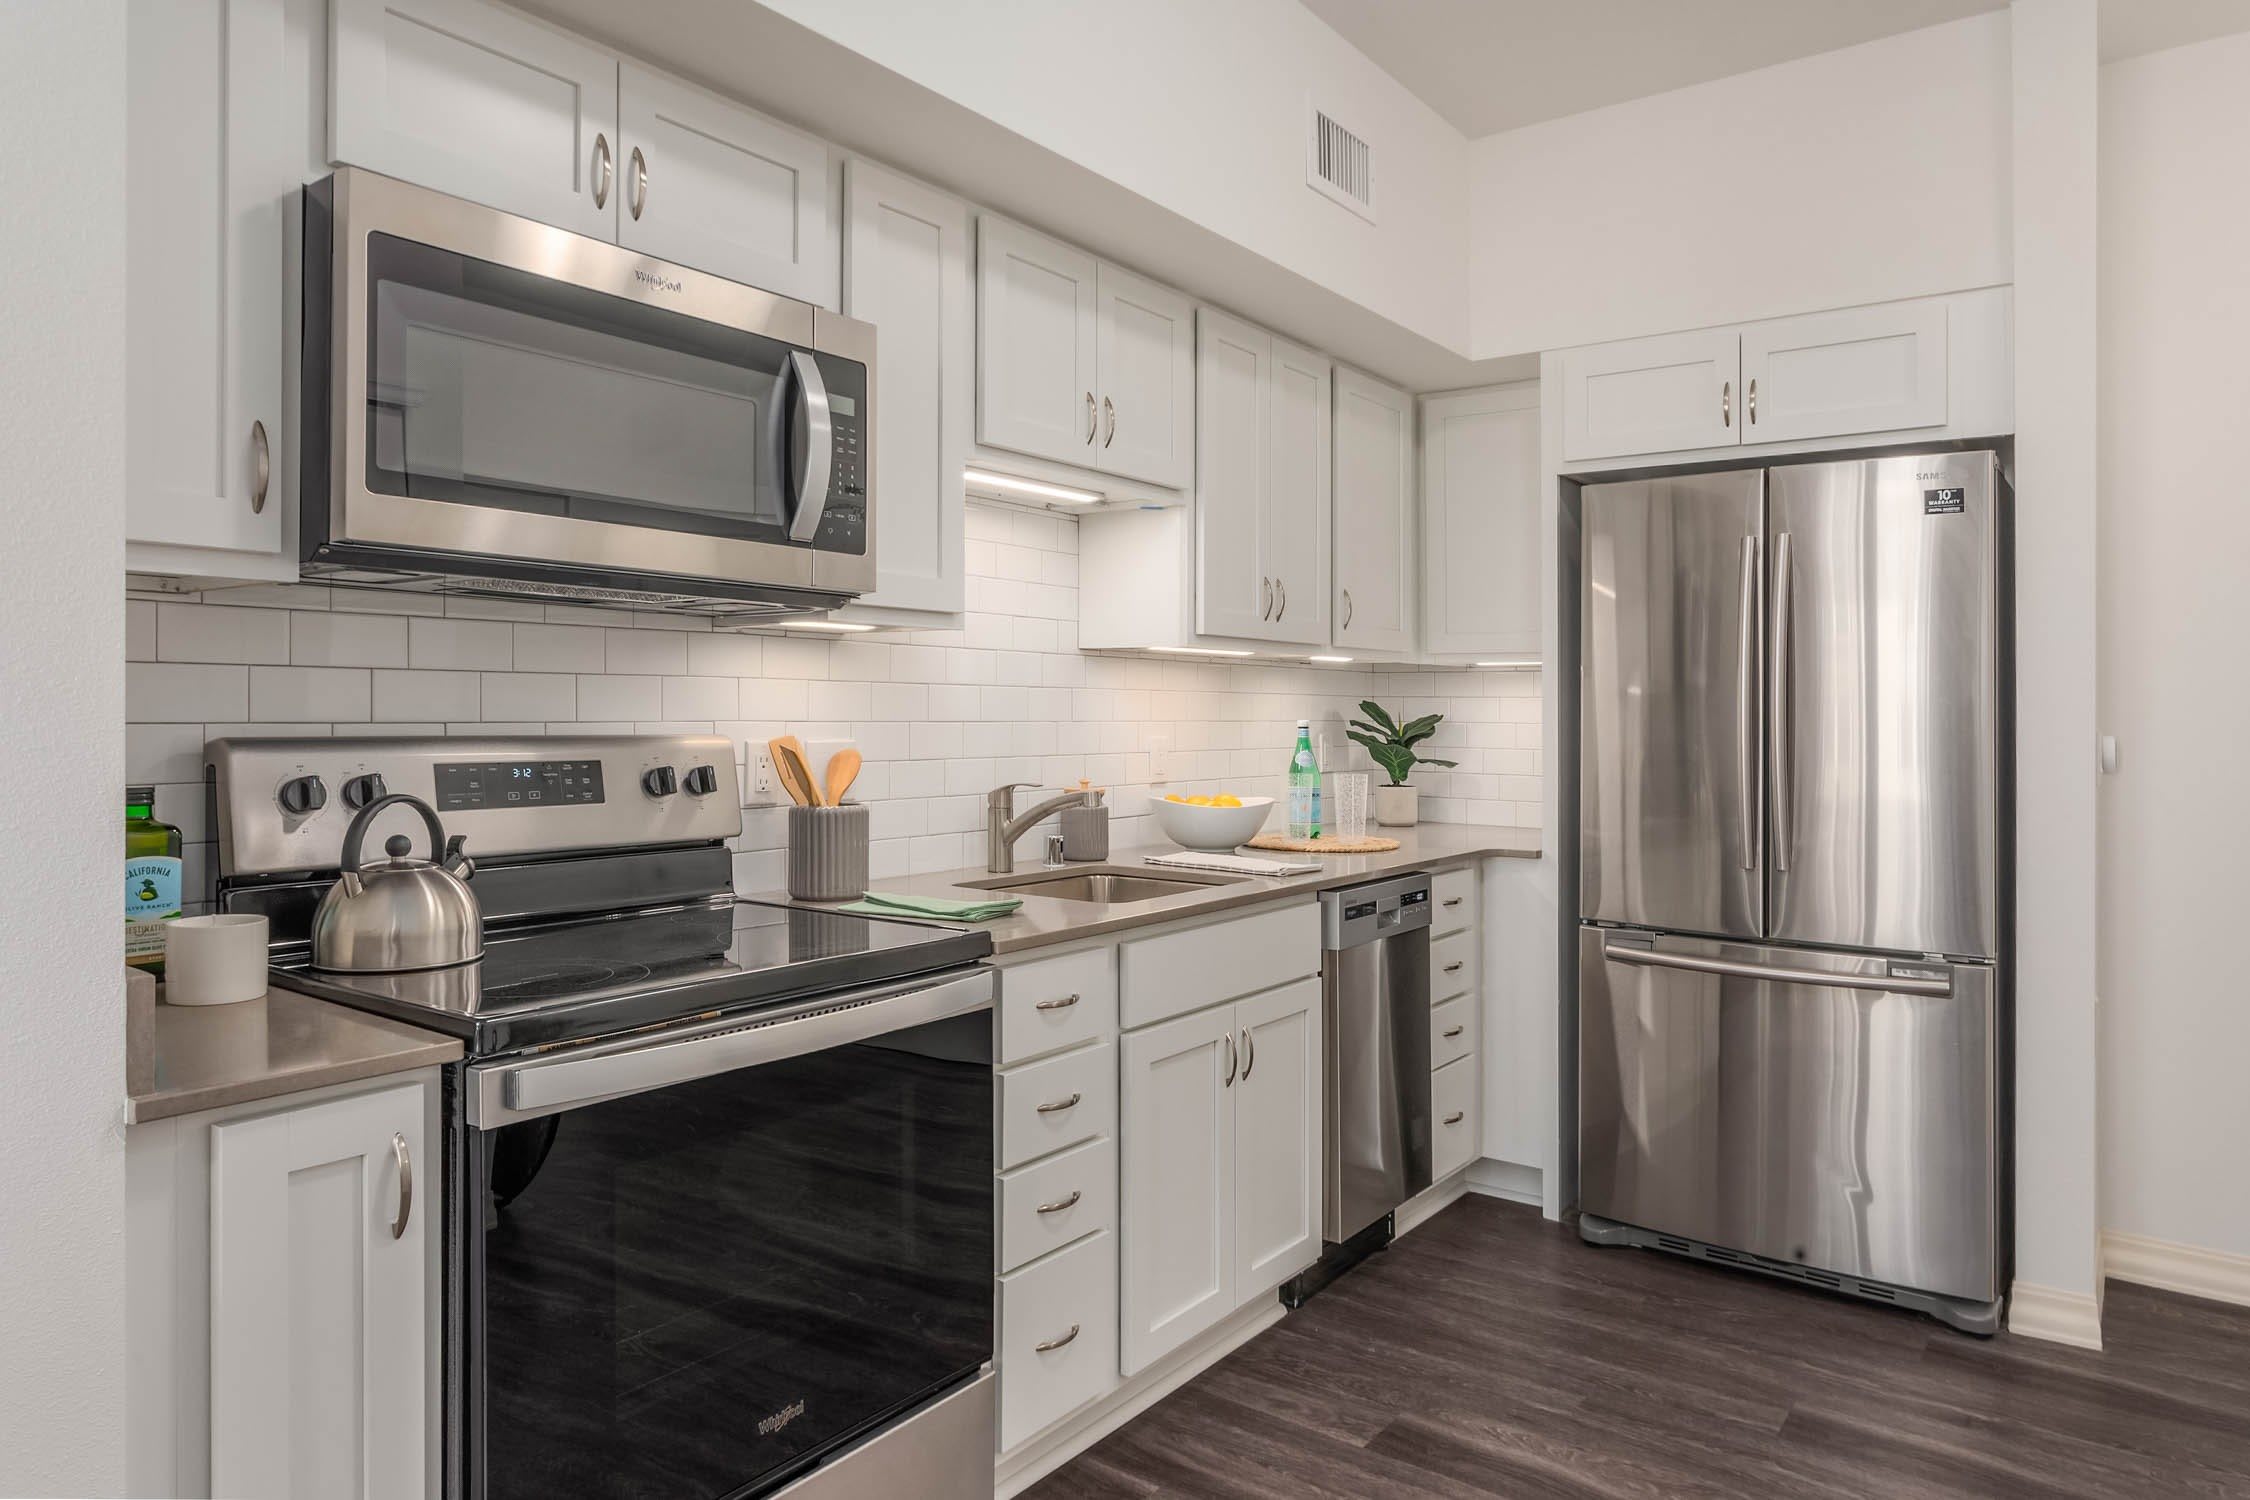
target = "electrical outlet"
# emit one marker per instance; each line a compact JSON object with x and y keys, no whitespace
{"x":1159,"y":758}
{"x":761,"y":778}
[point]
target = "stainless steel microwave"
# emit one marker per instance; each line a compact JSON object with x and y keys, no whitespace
{"x":493,"y":406}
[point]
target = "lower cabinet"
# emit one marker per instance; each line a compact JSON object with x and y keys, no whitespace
{"x":1220,"y":1147}
{"x":1058,"y":1336}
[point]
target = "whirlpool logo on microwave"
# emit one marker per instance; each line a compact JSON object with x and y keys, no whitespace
{"x":661,"y":283}
{"x":768,"y":1426}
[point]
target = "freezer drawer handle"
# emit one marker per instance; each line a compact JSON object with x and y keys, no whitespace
{"x":1888,"y":983}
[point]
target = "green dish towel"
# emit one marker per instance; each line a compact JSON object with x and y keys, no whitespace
{"x":881,"y":904}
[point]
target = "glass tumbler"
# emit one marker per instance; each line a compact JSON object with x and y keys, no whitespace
{"x":1344,"y":801}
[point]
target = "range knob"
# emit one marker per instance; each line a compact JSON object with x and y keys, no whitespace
{"x":701,"y":780}
{"x":660,"y":782}
{"x":361,"y":790}
{"x":303,"y":794}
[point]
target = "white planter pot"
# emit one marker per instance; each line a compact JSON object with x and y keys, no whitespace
{"x":1397,"y":806}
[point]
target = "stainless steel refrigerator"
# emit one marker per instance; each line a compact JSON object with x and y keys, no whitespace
{"x":1793,"y":842}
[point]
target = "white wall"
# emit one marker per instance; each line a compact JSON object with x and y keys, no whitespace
{"x":62,"y":1073}
{"x":1874,"y":172}
{"x":2174,"y":612}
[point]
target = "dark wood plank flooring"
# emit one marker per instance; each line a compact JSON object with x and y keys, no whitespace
{"x":1490,"y":1353}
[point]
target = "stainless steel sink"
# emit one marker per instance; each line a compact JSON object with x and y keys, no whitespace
{"x":1108,"y":886}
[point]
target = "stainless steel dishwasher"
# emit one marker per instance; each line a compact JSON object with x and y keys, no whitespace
{"x":1375,"y":1009}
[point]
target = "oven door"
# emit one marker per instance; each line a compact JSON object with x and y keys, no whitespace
{"x":703,"y":1262}
{"x":503,"y":389}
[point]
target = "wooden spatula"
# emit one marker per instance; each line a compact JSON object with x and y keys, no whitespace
{"x":843,"y":770}
{"x":789,"y":764}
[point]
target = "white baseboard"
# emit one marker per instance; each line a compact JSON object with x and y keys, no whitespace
{"x":2215,"y":1274}
{"x":2060,"y":1317}
{"x":1507,"y":1179}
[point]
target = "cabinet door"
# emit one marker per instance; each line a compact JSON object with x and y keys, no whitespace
{"x":1373,"y":507}
{"x":209,"y":178}
{"x":706,"y":183}
{"x":1144,"y":341}
{"x":1233,"y":581}
{"x":1293,"y":537}
{"x":1865,"y":369}
{"x":1480,"y":521}
{"x":1277,"y":1160}
{"x":1035,"y":344}
{"x":480,"y":101}
{"x":1177,"y":1217}
{"x":906,"y":270}
{"x":320,"y":1378}
{"x":1652,"y":395}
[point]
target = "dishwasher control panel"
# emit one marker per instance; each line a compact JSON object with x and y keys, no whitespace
{"x":1362,"y":913}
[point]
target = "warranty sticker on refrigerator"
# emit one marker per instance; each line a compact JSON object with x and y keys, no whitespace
{"x":1944,"y":502}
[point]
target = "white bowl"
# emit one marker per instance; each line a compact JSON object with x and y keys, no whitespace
{"x":1214,"y":830}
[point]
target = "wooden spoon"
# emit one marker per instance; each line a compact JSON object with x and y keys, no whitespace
{"x":843,"y":770}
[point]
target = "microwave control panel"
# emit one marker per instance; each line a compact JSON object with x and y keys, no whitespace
{"x":843,"y":525}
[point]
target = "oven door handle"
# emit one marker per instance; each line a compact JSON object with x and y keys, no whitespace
{"x":812,"y":433}
{"x":503,"y":1093}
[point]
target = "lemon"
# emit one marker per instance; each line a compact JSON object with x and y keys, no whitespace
{"x":1174,"y":797}
{"x":1226,"y":799}
{"x":1199,"y":801}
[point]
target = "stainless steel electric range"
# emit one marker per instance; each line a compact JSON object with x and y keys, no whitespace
{"x":719,"y":1174}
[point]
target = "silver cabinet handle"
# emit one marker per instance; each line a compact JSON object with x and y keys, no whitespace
{"x":1059,"y":1105}
{"x":1060,"y":1204}
{"x":1249,"y":1053}
{"x":812,"y":434}
{"x":1450,"y":901}
{"x":1456,"y":1031}
{"x":1752,"y":394}
{"x":1726,"y":404}
{"x":1265,"y":597}
{"x":602,"y":172}
{"x":1777,"y":712}
{"x":1748,"y":790}
{"x":1065,"y":1003}
{"x":261,"y":467}
{"x":1281,"y":594}
{"x":639,"y":200}
{"x":1456,"y":1117}
{"x":1109,"y":416}
{"x":1347,"y":609}
{"x":405,"y":1186}
{"x":1727,"y":968}
{"x":1455,"y":966}
{"x":1053,"y":1344}
{"x":1089,"y":416}
{"x":1230,"y":1062}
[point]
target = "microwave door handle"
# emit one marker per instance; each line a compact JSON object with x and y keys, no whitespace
{"x":815,"y":440}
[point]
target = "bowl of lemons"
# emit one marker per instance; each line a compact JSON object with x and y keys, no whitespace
{"x":1214,"y":824}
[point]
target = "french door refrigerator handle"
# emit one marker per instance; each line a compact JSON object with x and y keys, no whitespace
{"x":819,"y":446}
{"x":1749,"y":789}
{"x":1777,"y":717}
{"x":1651,"y":958}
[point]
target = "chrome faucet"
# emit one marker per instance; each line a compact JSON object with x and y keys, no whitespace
{"x":1003,"y":825}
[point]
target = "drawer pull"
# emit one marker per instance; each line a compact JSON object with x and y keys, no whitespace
{"x":1053,"y":1344}
{"x":1450,"y":901}
{"x":1060,"y":1105}
{"x":1456,"y":1117}
{"x":1065,"y":1003}
{"x":1455,"y":966}
{"x":1060,"y":1204}
{"x":1456,"y":1031}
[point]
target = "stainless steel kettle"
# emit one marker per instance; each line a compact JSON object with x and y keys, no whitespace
{"x":400,"y":913}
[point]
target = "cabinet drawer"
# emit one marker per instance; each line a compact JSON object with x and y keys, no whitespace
{"x":1453,"y":1117}
{"x":1453,"y":965}
{"x":1455,"y":893}
{"x":1068,"y":1302}
{"x":1453,"y":1029}
{"x":1055,"y":1201}
{"x":1045,"y":1106}
{"x":1162,"y":977}
{"x":1052,"y":1003}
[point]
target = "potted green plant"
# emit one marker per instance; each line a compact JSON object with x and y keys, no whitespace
{"x":1391,"y":745}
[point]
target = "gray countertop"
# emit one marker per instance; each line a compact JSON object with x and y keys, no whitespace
{"x":184,"y":1058}
{"x":1044,"y":920}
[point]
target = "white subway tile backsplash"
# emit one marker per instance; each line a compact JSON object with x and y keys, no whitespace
{"x":140,"y":630}
{"x":217,"y":633}
{"x":310,"y":693}
{"x":424,"y":696}
{"x":610,"y":698}
{"x":559,"y":648}
{"x":179,"y":692}
{"x":791,"y":657}
{"x":528,"y":695}
{"x":725,"y":655}
{"x":659,"y":653}
{"x":163,"y":752}
{"x":768,"y":698}
{"x":323,"y":638}
{"x":460,"y":645}
{"x":702,"y":698}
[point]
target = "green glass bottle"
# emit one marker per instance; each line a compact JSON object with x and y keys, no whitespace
{"x":152,"y":879}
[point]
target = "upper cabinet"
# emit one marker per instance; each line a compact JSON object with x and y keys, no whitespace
{"x":1865,"y":369}
{"x":906,"y":270}
{"x":1480,"y":521}
{"x":1262,"y":484}
{"x":1080,"y":362}
{"x":1372,"y":478}
{"x":1651,"y":395}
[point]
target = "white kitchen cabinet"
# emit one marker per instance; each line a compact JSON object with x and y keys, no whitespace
{"x":1178,"y":1182}
{"x":481,"y":101}
{"x":1277,"y":1168}
{"x":214,"y":140}
{"x":1864,"y":369}
{"x":1480,"y":522}
{"x":1036,"y":341}
{"x":907,"y":271}
{"x":1144,"y":347}
{"x":1372,"y":506}
{"x":1233,"y":389}
{"x":1682,"y":390}
{"x":704,"y":182}
{"x":1293,"y":537}
{"x":1057,"y":1337}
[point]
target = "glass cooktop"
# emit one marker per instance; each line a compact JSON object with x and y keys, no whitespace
{"x":600,"y":976}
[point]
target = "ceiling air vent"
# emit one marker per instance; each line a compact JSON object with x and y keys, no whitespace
{"x":1340,"y":165}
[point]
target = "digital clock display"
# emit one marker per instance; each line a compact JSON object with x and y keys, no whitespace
{"x":476,"y":786}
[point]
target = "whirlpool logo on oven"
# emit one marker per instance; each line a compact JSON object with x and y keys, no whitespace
{"x":661,"y":283}
{"x":768,"y":1426}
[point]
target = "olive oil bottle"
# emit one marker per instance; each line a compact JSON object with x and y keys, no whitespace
{"x":152,"y":879}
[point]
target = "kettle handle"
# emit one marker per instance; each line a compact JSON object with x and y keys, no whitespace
{"x":355,"y":835}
